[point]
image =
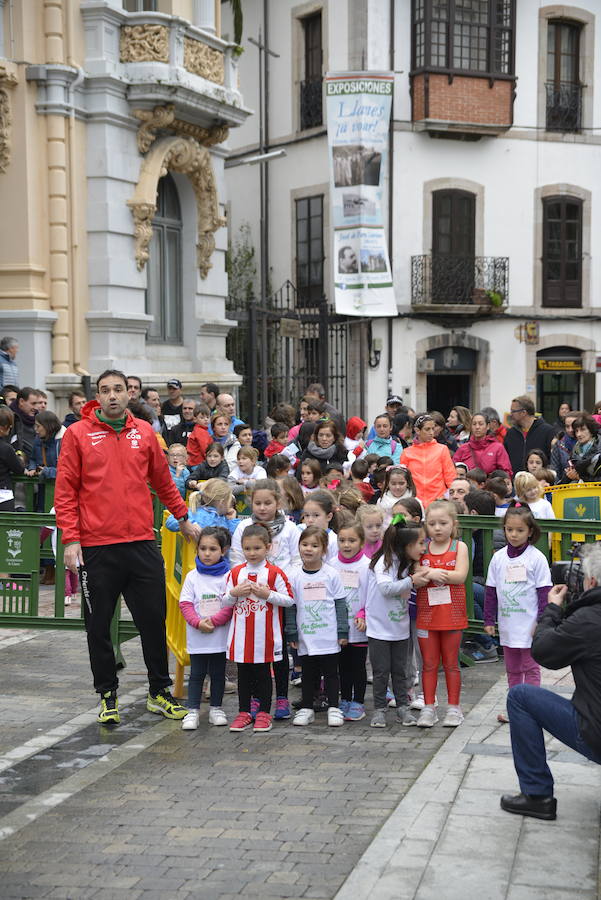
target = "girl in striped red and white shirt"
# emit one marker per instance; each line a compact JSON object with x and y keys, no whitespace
{"x":256,"y":591}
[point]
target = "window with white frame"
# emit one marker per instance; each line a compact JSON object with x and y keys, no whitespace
{"x":164,"y":290}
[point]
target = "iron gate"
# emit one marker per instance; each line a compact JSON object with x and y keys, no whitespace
{"x":279,"y":348}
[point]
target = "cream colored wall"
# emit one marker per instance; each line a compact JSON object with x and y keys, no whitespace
{"x":43,"y":248}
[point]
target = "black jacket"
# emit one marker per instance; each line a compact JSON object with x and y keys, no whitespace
{"x":573,"y":638}
{"x":204,"y":471}
{"x":519,"y":445}
{"x":10,"y":463}
{"x":339,"y":456}
{"x":179,"y":434}
{"x":588,"y":466}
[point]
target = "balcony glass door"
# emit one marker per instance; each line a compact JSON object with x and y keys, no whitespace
{"x":453,"y":246}
{"x":563,"y":77}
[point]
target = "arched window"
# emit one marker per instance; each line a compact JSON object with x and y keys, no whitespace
{"x":164,"y":291}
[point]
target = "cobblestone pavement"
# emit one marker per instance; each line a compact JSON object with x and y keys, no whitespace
{"x":148,"y":810}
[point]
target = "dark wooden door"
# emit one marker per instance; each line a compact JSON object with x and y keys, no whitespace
{"x":453,"y":246}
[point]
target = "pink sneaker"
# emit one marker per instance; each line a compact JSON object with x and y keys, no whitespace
{"x":263,"y":722}
{"x":242,"y":721}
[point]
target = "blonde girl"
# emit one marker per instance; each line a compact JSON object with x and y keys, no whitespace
{"x":441,"y":611}
{"x":372,"y":519}
{"x":528,"y":489}
{"x":310,"y":474}
{"x":213,"y":505}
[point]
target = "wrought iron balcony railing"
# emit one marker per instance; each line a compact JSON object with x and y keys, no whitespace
{"x":311,"y":103}
{"x":564,"y":106}
{"x":443,"y":280}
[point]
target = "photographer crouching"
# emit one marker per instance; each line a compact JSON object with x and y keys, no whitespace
{"x":569,"y":636}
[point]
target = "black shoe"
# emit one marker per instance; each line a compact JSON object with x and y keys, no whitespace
{"x":533,"y":805}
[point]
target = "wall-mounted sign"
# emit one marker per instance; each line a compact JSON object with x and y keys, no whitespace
{"x":559,"y":365}
{"x":527,"y":333}
{"x":290,"y":328}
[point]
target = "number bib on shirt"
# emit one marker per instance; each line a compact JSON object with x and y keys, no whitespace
{"x":438,"y":596}
{"x":210,"y":605}
{"x":515,"y":572}
{"x":350,"y":578}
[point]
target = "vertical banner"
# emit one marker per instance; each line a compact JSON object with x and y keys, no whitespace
{"x":359,"y":106}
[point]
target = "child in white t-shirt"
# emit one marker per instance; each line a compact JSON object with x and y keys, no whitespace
{"x":528,"y":489}
{"x":517,"y":587}
{"x":393,"y":575}
{"x":353,"y":566}
{"x":200,"y":600}
{"x":317,"y":626}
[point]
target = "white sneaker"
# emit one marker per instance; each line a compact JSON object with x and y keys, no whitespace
{"x":217,"y":716}
{"x":427,"y":717}
{"x":68,"y":600}
{"x":419,"y":702}
{"x":190,"y":722}
{"x":453,"y":718}
{"x":304,"y":717}
{"x":335,"y":716}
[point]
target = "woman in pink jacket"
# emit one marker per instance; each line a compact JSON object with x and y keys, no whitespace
{"x":429,"y":462}
{"x":482,"y":450}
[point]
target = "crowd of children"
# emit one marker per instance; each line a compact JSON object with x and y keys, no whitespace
{"x":345,"y":563}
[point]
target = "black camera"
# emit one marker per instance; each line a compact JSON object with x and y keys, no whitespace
{"x":570,"y":572}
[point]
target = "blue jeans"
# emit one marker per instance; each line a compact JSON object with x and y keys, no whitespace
{"x":531,"y":709}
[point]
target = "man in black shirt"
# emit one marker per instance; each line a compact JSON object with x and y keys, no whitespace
{"x":171,"y":410}
{"x":570,"y":637}
{"x":179,"y":434}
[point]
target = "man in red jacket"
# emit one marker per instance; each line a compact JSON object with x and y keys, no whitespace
{"x":104,"y":509}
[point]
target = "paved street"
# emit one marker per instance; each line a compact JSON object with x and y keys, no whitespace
{"x":147,"y":810}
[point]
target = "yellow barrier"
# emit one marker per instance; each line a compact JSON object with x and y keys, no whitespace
{"x":574,"y":501}
{"x":179,"y":560}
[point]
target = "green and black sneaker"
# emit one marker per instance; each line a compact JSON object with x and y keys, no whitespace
{"x":164,"y":704}
{"x":109,"y":709}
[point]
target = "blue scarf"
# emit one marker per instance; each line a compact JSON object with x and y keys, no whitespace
{"x":219,"y":568}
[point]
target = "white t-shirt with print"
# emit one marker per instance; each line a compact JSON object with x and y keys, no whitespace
{"x":354,"y":577}
{"x":386,"y":611}
{"x":314,"y":595}
{"x":206,"y":592}
{"x":284,"y":546}
{"x":516,"y":580}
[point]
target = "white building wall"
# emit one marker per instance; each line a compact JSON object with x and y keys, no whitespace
{"x":507,"y":172}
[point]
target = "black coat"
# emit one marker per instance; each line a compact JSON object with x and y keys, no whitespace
{"x":573,"y":638}
{"x":518,"y":445}
{"x":10,"y":463}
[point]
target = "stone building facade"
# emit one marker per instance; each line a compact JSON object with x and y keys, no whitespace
{"x":114,"y":117}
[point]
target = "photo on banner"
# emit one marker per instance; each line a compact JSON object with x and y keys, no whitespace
{"x":359,"y":106}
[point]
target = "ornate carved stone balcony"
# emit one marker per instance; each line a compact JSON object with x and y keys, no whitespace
{"x":164,"y":59}
{"x":460,"y":285}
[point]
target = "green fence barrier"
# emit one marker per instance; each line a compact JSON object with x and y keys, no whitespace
{"x":20,"y":555}
{"x":30,"y":483}
{"x":562,"y":530}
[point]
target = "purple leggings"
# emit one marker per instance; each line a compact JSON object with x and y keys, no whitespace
{"x":520,"y":667}
{"x":71,"y":582}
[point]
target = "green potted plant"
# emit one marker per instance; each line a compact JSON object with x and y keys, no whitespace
{"x":495,"y":298}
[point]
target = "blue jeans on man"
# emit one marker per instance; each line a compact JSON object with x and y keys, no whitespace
{"x":532,"y":709}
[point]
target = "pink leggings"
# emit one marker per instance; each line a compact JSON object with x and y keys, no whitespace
{"x":520,"y":667}
{"x":71,"y":583}
{"x":439,"y":644}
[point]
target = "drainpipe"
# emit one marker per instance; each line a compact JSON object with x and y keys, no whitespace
{"x":390,"y":194}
